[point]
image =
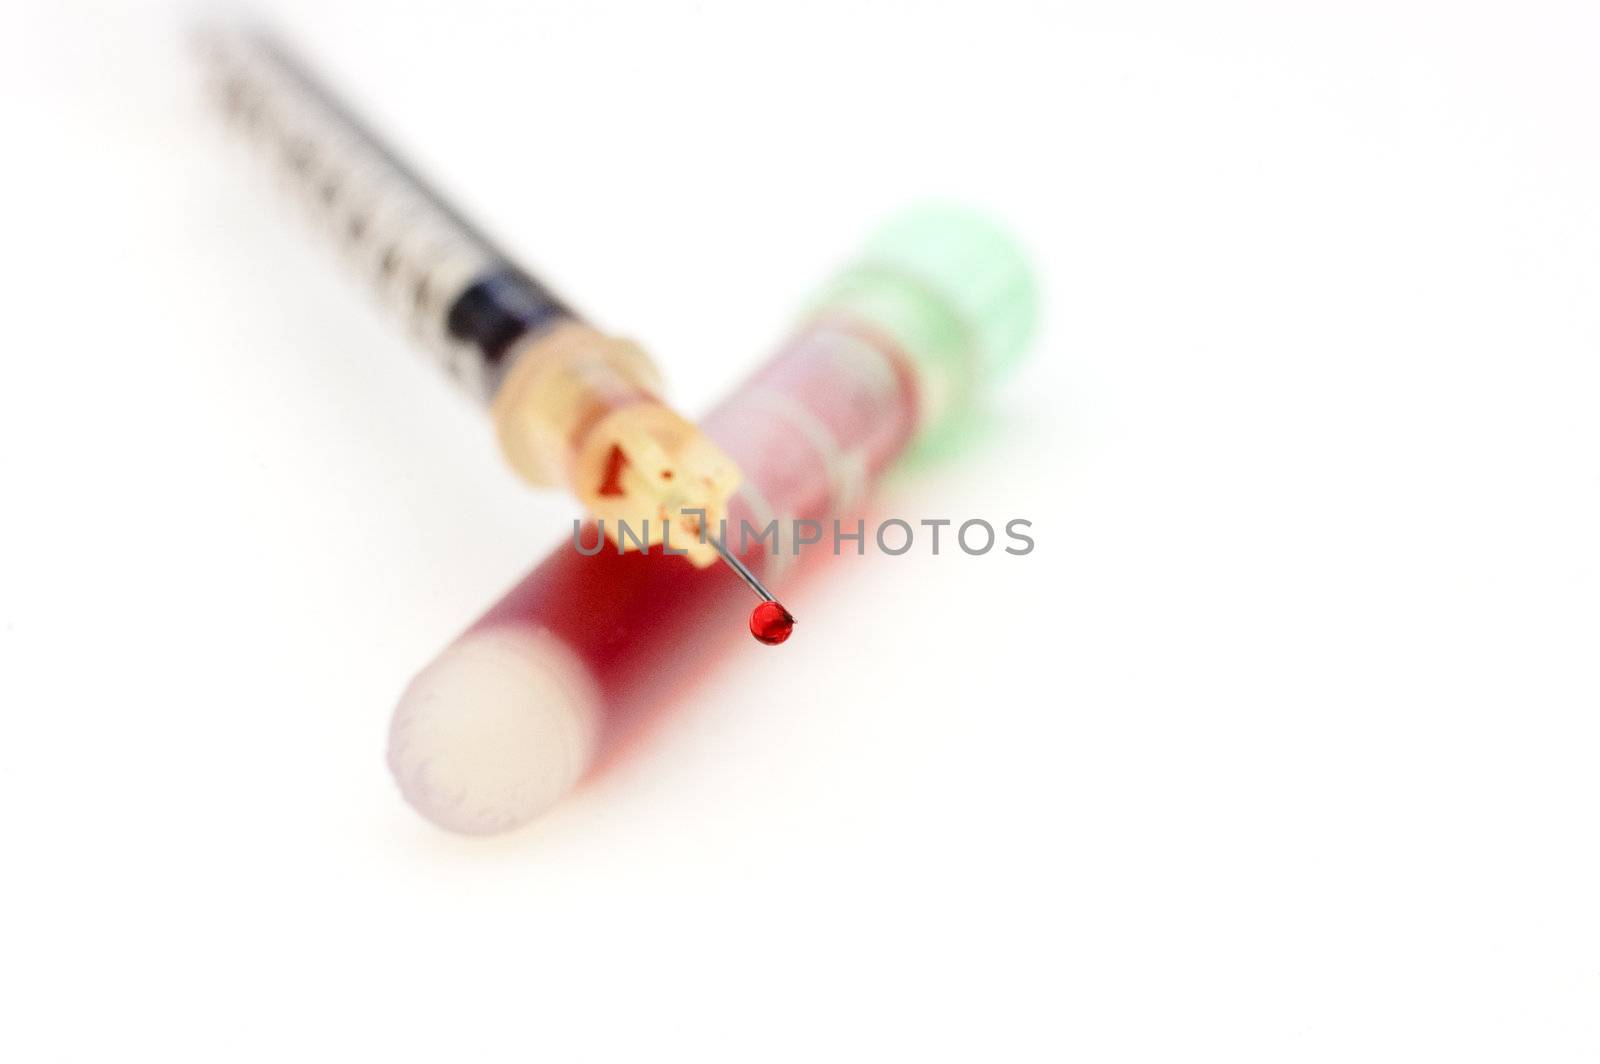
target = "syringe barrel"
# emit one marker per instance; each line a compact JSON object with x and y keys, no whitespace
{"x":455,"y":290}
{"x":558,"y":671}
{"x":569,"y":402}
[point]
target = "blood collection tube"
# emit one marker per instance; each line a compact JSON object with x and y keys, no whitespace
{"x":573,"y":408}
{"x":511,"y":715}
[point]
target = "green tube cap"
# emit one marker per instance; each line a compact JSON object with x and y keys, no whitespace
{"x":953,"y":290}
{"x":975,"y":267}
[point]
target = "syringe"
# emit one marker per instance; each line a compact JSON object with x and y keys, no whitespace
{"x":573,"y":408}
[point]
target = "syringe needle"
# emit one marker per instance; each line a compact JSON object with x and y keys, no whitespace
{"x":770,"y":623}
{"x":740,"y":568}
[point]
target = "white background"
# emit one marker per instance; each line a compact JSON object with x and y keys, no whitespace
{"x":1281,"y":746}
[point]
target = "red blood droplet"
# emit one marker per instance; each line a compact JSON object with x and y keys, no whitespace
{"x":771,"y":623}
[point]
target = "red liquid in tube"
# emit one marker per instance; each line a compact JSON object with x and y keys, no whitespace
{"x":609,"y":636}
{"x":810,"y":431}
